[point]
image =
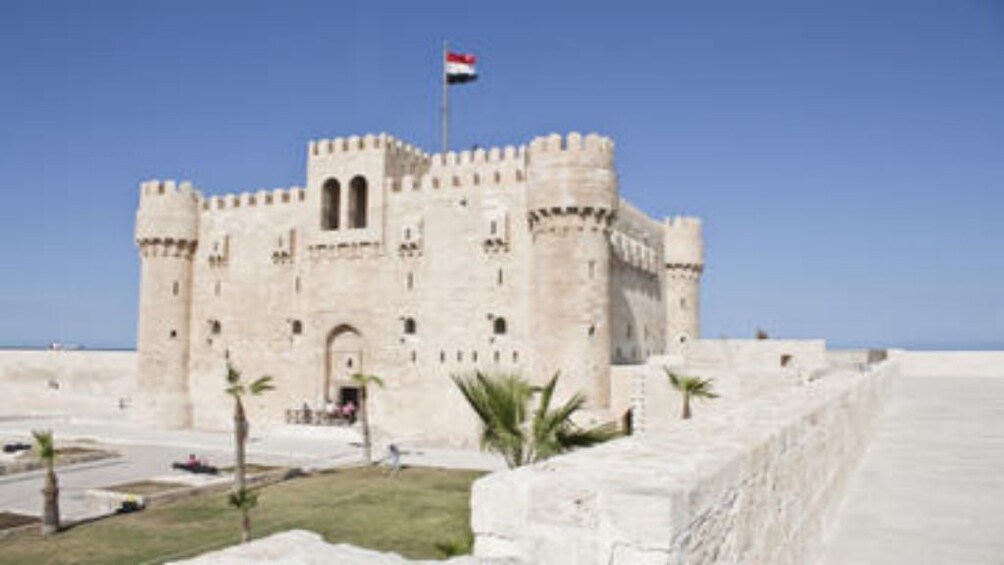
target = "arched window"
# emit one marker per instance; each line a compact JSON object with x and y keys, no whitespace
{"x":297,"y":327}
{"x":410,"y":326}
{"x":215,"y":327}
{"x":357,"y":202}
{"x":331,"y":204}
{"x":499,"y":326}
{"x":175,"y":288}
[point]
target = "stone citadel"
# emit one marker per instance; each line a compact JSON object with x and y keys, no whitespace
{"x":413,"y":267}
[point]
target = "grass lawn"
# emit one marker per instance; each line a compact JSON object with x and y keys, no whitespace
{"x":408,"y":514}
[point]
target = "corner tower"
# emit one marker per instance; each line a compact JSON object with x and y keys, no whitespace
{"x":571,"y":202}
{"x":683,"y":251}
{"x":167,"y":227}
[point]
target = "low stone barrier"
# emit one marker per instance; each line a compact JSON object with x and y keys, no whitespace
{"x":106,"y":501}
{"x":79,"y":383}
{"x":753,"y":484}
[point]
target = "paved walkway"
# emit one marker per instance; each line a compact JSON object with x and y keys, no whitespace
{"x":147,"y":453}
{"x":930,"y":489}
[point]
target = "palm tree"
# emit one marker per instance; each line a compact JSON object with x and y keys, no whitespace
{"x":242,"y":498}
{"x":363,"y":382}
{"x":520,"y":434}
{"x":46,"y":449}
{"x":690,"y":387}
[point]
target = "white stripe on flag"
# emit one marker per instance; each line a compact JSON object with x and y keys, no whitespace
{"x":459,"y":69}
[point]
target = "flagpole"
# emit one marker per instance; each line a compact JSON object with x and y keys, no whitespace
{"x":446,"y":102}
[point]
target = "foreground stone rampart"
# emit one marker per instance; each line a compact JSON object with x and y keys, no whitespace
{"x":753,"y":484}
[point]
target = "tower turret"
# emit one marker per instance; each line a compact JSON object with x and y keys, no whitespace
{"x":683,"y":254}
{"x":571,"y":201}
{"x":167,"y":227}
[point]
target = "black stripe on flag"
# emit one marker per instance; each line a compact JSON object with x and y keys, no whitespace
{"x":460,"y":78}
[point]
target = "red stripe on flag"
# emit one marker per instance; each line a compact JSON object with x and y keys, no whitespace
{"x":460,"y":58}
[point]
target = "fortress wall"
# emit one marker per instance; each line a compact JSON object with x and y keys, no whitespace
{"x":805,"y":354}
{"x":244,"y":277}
{"x":461,"y":285}
{"x":65,"y":382}
{"x":364,"y":285}
{"x":942,"y":363}
{"x":754,"y":484}
{"x":638,"y":323}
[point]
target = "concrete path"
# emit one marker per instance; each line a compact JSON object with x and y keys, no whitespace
{"x":147,"y":453}
{"x":930,"y":489}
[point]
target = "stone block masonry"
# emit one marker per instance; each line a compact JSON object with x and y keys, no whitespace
{"x":412,"y":266}
{"x":754,"y":484}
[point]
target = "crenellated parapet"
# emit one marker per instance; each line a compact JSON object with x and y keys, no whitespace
{"x":251,"y":200}
{"x":683,"y":245}
{"x":167,"y":222}
{"x":572,"y":176}
{"x":400,"y":158}
{"x":494,"y":167}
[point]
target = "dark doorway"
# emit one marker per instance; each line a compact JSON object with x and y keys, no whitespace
{"x":348,"y":394}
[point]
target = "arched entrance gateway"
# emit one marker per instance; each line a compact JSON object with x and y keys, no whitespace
{"x":344,"y":358}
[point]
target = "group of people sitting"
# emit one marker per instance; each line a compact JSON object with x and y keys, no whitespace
{"x":195,"y":465}
{"x":329,"y":414}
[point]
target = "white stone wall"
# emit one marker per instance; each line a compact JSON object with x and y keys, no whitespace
{"x":77,"y":383}
{"x":755,"y":484}
{"x":757,"y":354}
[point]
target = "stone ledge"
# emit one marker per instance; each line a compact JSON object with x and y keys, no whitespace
{"x":754,"y":484}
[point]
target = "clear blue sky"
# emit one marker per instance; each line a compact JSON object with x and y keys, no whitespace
{"x":847,"y":157}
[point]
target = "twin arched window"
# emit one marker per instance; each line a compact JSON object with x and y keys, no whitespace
{"x":331,"y":203}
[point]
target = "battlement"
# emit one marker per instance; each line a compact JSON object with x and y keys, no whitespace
{"x":683,"y":223}
{"x":326,"y":148}
{"x":573,"y":171}
{"x":478,"y":156}
{"x":683,"y":244}
{"x":167,"y":188}
{"x":168,"y":211}
{"x":249,"y":199}
{"x":574,"y":142}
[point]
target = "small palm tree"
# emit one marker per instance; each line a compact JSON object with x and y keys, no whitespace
{"x":46,"y":448}
{"x":242,"y":498}
{"x":520,"y":434}
{"x":690,"y":387}
{"x":364,"y":382}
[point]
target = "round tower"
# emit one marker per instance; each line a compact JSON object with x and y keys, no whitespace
{"x":571,"y":201}
{"x":683,"y":252}
{"x":167,"y":227}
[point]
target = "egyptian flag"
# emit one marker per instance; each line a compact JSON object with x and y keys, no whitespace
{"x":460,"y":68}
